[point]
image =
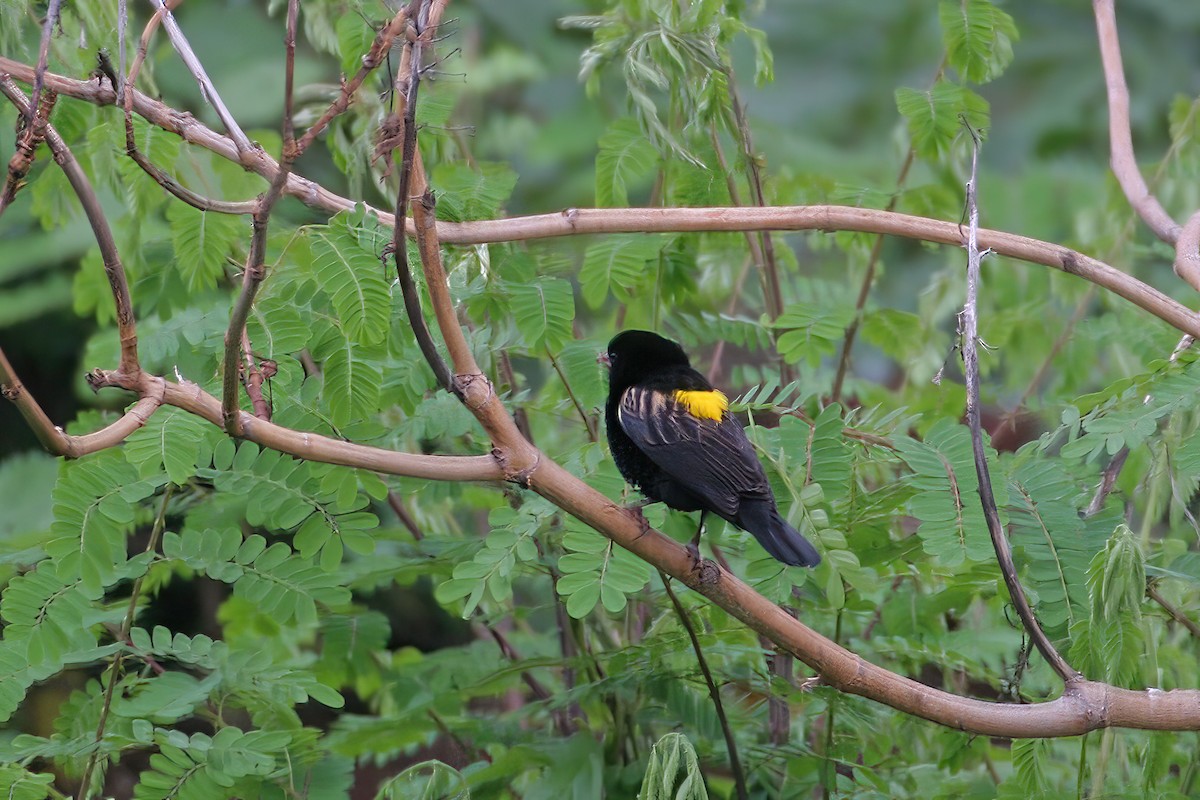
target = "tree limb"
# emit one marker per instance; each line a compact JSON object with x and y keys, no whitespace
{"x":305,"y":444}
{"x":53,"y":438}
{"x":576,"y":221}
{"x":1124,"y":162}
{"x":970,"y":350}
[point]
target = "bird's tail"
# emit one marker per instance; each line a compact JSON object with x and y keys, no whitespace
{"x":777,"y":537}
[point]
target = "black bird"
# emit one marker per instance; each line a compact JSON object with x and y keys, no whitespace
{"x":672,"y":437}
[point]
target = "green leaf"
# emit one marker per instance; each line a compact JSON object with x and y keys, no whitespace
{"x":354,"y":39}
{"x":933,"y":115}
{"x":16,"y":783}
{"x":543,"y":311}
{"x":946,"y":498}
{"x":811,"y":330}
{"x":978,"y":38}
{"x":616,"y":263}
{"x":598,"y":571}
{"x":173,"y":440}
{"x":625,"y":154}
{"x":353,"y":278}
{"x":202,"y":240}
{"x":467,"y":194}
{"x":672,"y":755}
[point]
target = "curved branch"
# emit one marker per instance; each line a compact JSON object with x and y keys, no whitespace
{"x":303,"y":444}
{"x":1084,"y":705}
{"x":1187,"y":251}
{"x":577,"y":221}
{"x":408,"y":81}
{"x":53,"y":438}
{"x":113,"y":269}
{"x":1124,"y":163}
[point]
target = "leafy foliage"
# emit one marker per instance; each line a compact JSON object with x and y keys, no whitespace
{"x":194,"y":616}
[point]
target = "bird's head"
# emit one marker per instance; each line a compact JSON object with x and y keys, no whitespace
{"x":631,"y":355}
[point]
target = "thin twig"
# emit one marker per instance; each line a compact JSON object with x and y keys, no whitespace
{"x":520,"y":415}
{"x":408,"y":81}
{"x":236,"y":341}
{"x":714,"y":692}
{"x":207,"y":90}
{"x":1124,"y":162}
{"x":1108,"y":479}
{"x":588,"y":422}
{"x":970,"y":335}
{"x":113,"y":269}
{"x":373,"y":58}
{"x":562,"y":720}
{"x":114,"y":669}
{"x":39,"y":79}
{"x":404,"y":515}
{"x":1176,"y":614}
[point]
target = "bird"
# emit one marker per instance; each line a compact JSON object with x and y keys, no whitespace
{"x":673,"y":438}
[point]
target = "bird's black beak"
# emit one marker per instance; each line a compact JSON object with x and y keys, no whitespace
{"x":602,"y":358}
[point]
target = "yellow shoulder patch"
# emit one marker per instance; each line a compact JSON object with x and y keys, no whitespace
{"x":705,"y":405}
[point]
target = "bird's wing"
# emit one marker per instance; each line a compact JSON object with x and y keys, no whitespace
{"x":711,"y":457}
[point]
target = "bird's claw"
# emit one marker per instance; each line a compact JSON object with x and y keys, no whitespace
{"x":635,"y":511}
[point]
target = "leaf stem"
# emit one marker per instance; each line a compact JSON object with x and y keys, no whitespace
{"x":123,"y":636}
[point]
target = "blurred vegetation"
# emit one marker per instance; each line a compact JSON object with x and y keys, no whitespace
{"x":296,"y":639}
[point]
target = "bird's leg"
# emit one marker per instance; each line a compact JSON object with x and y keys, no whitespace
{"x":693,"y":547}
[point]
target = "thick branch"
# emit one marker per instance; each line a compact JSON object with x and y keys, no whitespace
{"x":970,"y":350}
{"x":1187,"y":251}
{"x":1124,"y":163}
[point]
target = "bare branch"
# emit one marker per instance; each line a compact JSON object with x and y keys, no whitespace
{"x":52,"y":437}
{"x":25,"y":152}
{"x":374,"y":57}
{"x":43,"y":61}
{"x":1187,"y":251}
{"x":304,"y":444}
{"x":577,"y":221}
{"x":207,"y":90}
{"x":1176,"y":614}
{"x":970,"y":350}
{"x":236,"y":341}
{"x":113,"y":269}
{"x":1124,"y":162}
{"x":408,"y":80}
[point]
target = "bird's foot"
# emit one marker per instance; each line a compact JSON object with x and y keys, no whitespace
{"x":693,"y":550}
{"x":635,"y":510}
